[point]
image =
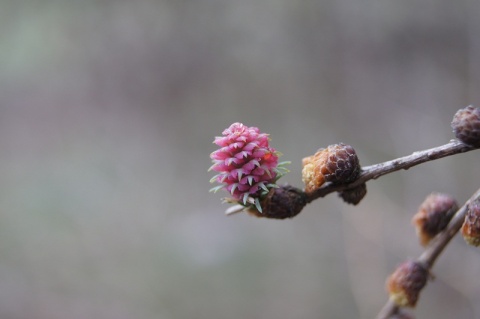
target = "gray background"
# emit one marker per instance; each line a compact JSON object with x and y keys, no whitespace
{"x":108,"y":110}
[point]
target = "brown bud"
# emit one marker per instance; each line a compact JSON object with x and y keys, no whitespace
{"x":355,"y":195}
{"x":311,"y":174}
{"x":433,"y":216}
{"x":466,"y":125}
{"x":471,"y":225}
{"x":337,"y":163}
{"x":406,"y":282}
{"x":280,"y":203}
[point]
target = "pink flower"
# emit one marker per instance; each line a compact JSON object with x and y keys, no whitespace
{"x":247,"y":165}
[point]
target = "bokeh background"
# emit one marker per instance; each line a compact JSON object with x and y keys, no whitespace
{"x":108,"y":110}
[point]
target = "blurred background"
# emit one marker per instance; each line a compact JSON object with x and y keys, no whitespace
{"x":108,"y":110}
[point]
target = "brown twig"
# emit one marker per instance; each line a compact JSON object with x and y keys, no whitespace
{"x":377,"y":170}
{"x":431,"y":253}
{"x":380,"y":169}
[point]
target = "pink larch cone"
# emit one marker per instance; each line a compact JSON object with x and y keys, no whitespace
{"x":247,"y":165}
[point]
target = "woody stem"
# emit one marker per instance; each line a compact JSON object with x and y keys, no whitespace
{"x":377,"y":170}
{"x":431,"y":253}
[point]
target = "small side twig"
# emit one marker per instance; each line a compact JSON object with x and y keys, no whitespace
{"x":377,"y":170}
{"x":431,"y":253}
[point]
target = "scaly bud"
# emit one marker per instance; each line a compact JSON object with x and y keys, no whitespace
{"x":337,"y":164}
{"x":406,"y":282}
{"x":466,"y":125}
{"x":280,"y":203}
{"x":471,"y":225}
{"x":355,"y":195}
{"x":433,"y":216}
